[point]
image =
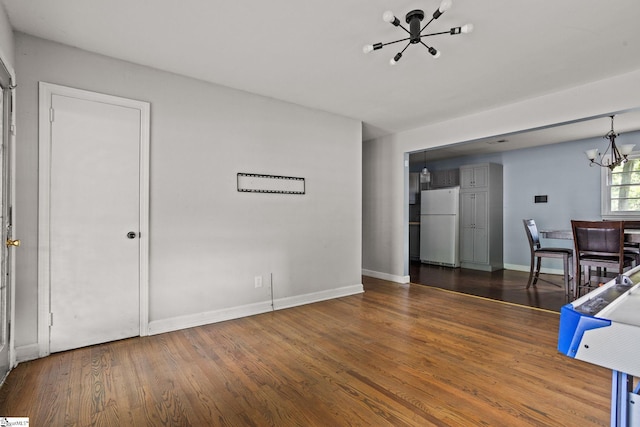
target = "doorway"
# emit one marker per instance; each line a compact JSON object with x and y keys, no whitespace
{"x":93,"y":218}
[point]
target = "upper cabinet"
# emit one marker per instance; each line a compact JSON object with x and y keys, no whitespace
{"x":445,"y":178}
{"x":475,"y":176}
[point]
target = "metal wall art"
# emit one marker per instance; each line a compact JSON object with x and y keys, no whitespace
{"x":258,"y":183}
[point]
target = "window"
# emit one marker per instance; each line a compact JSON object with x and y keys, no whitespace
{"x":621,"y":190}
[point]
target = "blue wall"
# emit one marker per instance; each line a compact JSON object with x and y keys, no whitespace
{"x":560,"y":171}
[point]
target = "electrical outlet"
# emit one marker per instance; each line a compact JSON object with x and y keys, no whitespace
{"x":257,"y":281}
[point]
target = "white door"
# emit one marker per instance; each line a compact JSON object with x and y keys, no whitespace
{"x":5,"y":223}
{"x":94,"y":220}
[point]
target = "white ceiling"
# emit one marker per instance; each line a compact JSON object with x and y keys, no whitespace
{"x":310,"y":52}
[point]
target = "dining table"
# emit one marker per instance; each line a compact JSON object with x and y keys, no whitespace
{"x":630,"y":235}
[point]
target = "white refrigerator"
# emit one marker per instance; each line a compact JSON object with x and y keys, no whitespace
{"x":440,"y":227}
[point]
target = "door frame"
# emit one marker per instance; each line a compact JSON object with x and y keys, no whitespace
{"x":10,"y":175}
{"x":46,"y":91}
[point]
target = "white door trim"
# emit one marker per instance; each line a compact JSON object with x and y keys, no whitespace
{"x":12,"y":279}
{"x":46,"y":91}
{"x":11,"y":283}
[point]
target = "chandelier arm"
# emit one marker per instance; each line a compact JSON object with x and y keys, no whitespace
{"x":427,"y":24}
{"x":617,"y":157}
{"x":405,"y":48}
{"x":435,"y":34}
{"x":396,"y":41}
{"x":425,"y":45}
{"x":611,"y":166}
{"x":432,"y":50}
{"x":402,"y":26}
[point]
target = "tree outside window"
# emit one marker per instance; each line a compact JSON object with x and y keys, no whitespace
{"x":621,"y":192}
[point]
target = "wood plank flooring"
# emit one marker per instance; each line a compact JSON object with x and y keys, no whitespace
{"x":397,"y":355}
{"x":502,"y":285}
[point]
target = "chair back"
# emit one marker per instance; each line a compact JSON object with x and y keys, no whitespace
{"x":532,"y":234}
{"x":632,"y":225}
{"x":633,"y":247}
{"x":601,"y":238}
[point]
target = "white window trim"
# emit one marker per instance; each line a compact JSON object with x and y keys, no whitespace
{"x":605,"y":196}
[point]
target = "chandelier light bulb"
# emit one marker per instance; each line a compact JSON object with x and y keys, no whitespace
{"x":445,"y":5}
{"x":433,"y":51}
{"x":466,"y":28}
{"x":626,"y":149}
{"x":388,"y":16}
{"x":395,"y":59}
{"x":367,"y":48}
{"x":591,"y":154}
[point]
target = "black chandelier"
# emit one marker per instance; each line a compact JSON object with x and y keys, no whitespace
{"x":414,"y":19}
{"x":612,"y":156}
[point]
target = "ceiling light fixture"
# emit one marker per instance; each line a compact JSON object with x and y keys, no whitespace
{"x":425,"y":176}
{"x":414,"y":19}
{"x":612,"y":156}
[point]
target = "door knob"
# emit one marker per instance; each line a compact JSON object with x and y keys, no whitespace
{"x":13,"y":242}
{"x":131,"y":235}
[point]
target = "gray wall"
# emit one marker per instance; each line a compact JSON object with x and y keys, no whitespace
{"x":207,"y":241}
{"x":385,"y":194}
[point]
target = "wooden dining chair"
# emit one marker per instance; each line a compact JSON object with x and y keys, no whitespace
{"x":600,"y":245}
{"x":631,"y":247}
{"x":538,"y":252}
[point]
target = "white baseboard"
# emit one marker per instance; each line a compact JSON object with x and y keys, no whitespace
{"x":27,"y":352}
{"x":199,"y":319}
{"x":295,"y":301}
{"x":386,"y":276}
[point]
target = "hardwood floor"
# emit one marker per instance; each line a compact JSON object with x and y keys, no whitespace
{"x":397,"y":355}
{"x":503,"y":285}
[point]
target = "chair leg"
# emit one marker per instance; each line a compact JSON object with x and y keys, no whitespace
{"x":537,"y":274}
{"x":587,"y":279}
{"x":567,"y":286}
{"x":577,"y":279}
{"x":530,"y":271}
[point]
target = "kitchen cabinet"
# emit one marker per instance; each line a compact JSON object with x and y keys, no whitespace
{"x":474,"y":244}
{"x":476,"y":176}
{"x":481,"y":217}
{"x":445,"y":178}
